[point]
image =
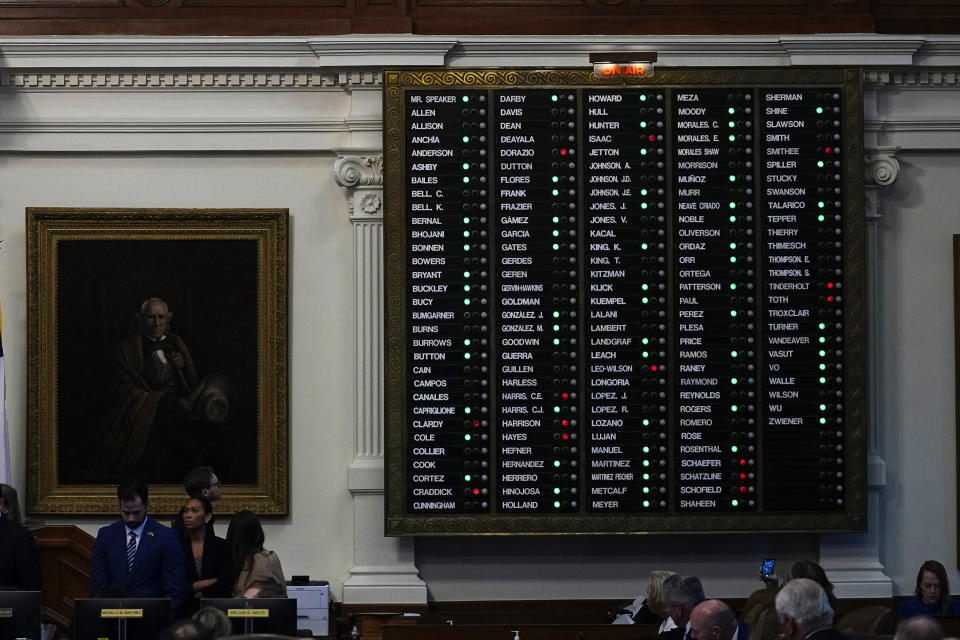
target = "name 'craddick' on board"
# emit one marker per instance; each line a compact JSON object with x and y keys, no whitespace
{"x":624,"y":305}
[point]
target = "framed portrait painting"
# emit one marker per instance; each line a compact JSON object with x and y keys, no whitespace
{"x":157,"y":343}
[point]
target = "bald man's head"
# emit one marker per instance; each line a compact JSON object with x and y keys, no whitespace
{"x":712,"y":620}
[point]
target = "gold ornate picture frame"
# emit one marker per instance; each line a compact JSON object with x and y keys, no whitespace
{"x":106,"y":401}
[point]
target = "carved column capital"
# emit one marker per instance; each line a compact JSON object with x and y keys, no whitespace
{"x":362,"y":177}
{"x":882,"y":166}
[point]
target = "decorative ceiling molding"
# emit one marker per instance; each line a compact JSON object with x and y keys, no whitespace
{"x":212,"y":80}
{"x":912,"y":78}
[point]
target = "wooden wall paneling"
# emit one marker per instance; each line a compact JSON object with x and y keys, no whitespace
{"x":65,"y":553}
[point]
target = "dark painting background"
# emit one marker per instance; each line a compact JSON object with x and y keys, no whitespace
{"x":211,"y":289}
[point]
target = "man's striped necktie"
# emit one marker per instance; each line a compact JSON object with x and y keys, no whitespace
{"x":131,"y":551}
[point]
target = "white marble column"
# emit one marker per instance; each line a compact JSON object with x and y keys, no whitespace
{"x":383,"y":570}
{"x":852,"y":562}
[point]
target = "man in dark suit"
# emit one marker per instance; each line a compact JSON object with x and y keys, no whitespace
{"x":682,"y":594}
{"x":714,"y":620}
{"x":19,"y":563}
{"x":137,"y":556}
{"x":805,"y":613}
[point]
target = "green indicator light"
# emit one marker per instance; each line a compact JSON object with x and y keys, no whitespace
{"x":733,"y":258}
{"x":646,"y":463}
{"x":556,"y":409}
{"x":823,"y":407}
{"x":556,"y":463}
{"x":556,"y":314}
{"x":466,"y":287}
{"x":467,"y":436}
{"x":822,"y":353}
{"x":466,"y":247}
{"x":733,"y":285}
{"x":646,"y":503}
{"x":556,"y":327}
{"x":556,"y":192}
{"x":733,"y":408}
{"x":556,"y":490}
{"x":733,"y":313}
{"x":731,"y":124}
{"x":644,"y":286}
{"x":734,"y":381}
{"x":643,"y":97}
{"x":643,"y":152}
{"x":734,"y":448}
{"x":645,"y":341}
{"x":733,"y":354}
{"x":821,"y":218}
{"x":466,"y":98}
{"x":556,"y":341}
{"x":466,"y":220}
{"x":646,"y":476}
{"x":820,"y":163}
{"x":644,"y":246}
{"x":822,"y":326}
{"x":466,"y":165}
{"x":819,"y":109}
{"x":467,"y":409}
{"x":733,"y":178}
{"x":646,"y":422}
{"x":466,"y":234}
{"x":646,"y":354}
{"x":646,"y":489}
{"x":643,"y":205}
{"x":733,"y":218}
{"x":466,"y":341}
{"x":466,"y":301}
{"x":644,"y":300}
{"x":735,"y":503}
{"x":466,"y":356}
{"x":466,"y":179}
{"x":556,"y":219}
{"x":643,"y":192}
{"x":466,"y":138}
{"x":643,"y":124}
{"x":823,"y":421}
{"x":823,"y":380}
{"x":554,"y":97}
{"x":733,"y":245}
{"x":820,"y":204}
{"x":733,"y":205}
{"x":468,"y":477}
{"x":646,"y":449}
{"x":556,"y":179}
{"x":731,"y":137}
{"x":466,"y":274}
{"x":556,"y":247}
{"x":822,"y":339}
{"x":823,"y":367}
{"x":556,"y":504}
{"x":556,"y":233}
{"x":731,"y":111}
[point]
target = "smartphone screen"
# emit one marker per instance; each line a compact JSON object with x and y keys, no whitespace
{"x":766,"y":567}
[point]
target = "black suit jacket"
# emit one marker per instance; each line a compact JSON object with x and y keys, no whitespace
{"x":827,"y":634}
{"x":19,"y":562}
{"x":217,"y":563}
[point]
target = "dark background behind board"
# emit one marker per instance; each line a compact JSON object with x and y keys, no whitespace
{"x":211,"y":289}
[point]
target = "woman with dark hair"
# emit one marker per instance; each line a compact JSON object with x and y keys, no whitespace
{"x":9,"y":503}
{"x":256,"y":571}
{"x":208,"y":560}
{"x":933,"y":594}
{"x":812,"y":571}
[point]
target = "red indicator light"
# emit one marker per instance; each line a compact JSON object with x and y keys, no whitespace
{"x":743,"y":462}
{"x":743,"y":489}
{"x":829,"y":149}
{"x":563,"y":152}
{"x":743,"y":476}
{"x":829,"y":285}
{"x":653,"y":368}
{"x":564,"y":422}
{"x":476,"y":492}
{"x":829,"y":298}
{"x":476,"y":423}
{"x":566,"y":436}
{"x":652,"y":138}
{"x":565,"y":396}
